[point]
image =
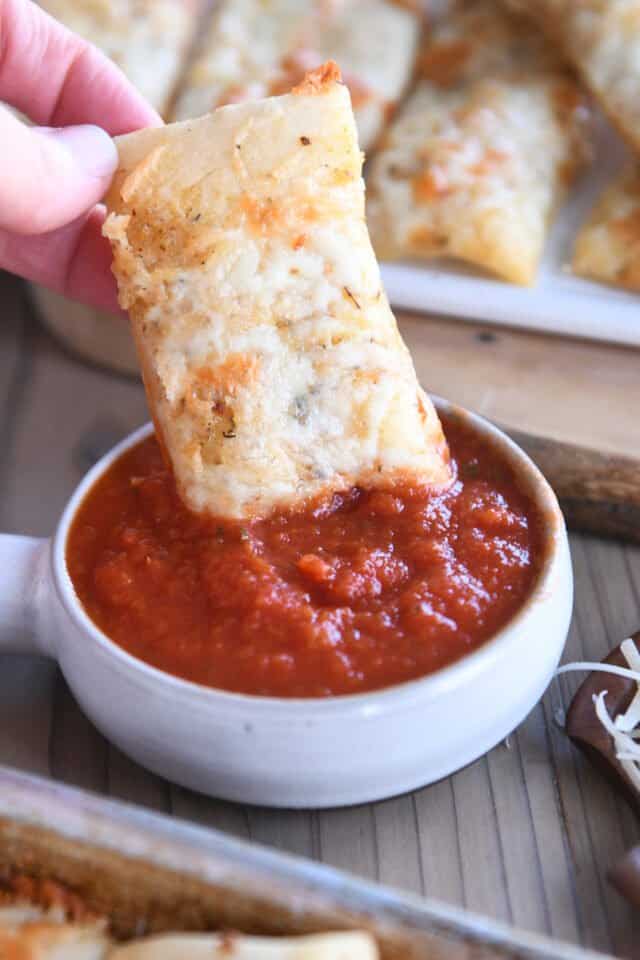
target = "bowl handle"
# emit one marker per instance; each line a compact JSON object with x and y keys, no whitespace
{"x":23,"y":587}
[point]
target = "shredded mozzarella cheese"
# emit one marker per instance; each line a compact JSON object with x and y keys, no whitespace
{"x":625,"y":729}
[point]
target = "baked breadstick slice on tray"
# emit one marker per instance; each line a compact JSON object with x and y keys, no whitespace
{"x":255,"y":49}
{"x":478,"y":160}
{"x":350,"y":945}
{"x":29,"y":933}
{"x":146,"y":38}
{"x":272,"y":361}
{"x":602,"y":39}
{"x":239,"y":56}
{"x":608,"y":245}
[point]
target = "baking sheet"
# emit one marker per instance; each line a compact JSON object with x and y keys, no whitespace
{"x":79,"y":821}
{"x":558,"y":303}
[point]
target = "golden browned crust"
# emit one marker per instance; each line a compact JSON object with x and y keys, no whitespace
{"x":319,"y":80}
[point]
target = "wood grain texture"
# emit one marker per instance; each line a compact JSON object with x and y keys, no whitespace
{"x":438,"y":840}
{"x":293,"y":831}
{"x":400,"y":859}
{"x":599,"y":492}
{"x":572,"y":390}
{"x":525,"y":834}
{"x":588,"y":445}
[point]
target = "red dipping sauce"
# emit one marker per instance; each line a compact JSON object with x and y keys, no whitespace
{"x":359,"y":592}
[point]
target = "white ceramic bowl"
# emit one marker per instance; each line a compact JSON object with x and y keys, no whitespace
{"x":293,"y":753}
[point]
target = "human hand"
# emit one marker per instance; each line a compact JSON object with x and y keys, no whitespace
{"x":52,"y":177}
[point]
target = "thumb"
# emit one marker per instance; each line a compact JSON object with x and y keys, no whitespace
{"x":49,"y":177}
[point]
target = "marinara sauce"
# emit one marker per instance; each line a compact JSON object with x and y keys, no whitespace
{"x":357,"y":592}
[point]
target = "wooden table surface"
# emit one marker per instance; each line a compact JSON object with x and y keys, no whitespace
{"x":526,"y":833}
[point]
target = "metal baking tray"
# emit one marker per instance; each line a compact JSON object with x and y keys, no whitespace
{"x":150,"y":872}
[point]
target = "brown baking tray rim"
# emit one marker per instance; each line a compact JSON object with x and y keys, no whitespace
{"x":150,"y":871}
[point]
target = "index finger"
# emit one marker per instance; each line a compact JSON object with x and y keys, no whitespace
{"x":56,"y":78}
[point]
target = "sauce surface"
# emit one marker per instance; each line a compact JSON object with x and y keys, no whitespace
{"x":356,"y":593}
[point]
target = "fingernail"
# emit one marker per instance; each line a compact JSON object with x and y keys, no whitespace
{"x":91,"y":149}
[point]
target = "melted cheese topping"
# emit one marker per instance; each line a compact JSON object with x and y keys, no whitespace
{"x":608,"y":245}
{"x":255,"y":48}
{"x":27,"y":932}
{"x":246,"y":41}
{"x":351,"y":945}
{"x":481,"y":155}
{"x":272,"y":360}
{"x":146,"y":38}
{"x":602,"y":38}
